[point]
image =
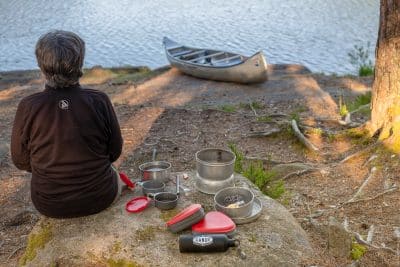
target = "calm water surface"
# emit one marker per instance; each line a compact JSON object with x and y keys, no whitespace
{"x":316,"y":33}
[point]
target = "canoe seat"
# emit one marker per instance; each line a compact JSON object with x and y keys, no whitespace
{"x":182,"y":53}
{"x":226,"y":59}
{"x":207,"y":56}
{"x":193,"y":54}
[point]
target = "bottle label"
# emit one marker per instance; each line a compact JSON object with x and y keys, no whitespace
{"x":202,"y":240}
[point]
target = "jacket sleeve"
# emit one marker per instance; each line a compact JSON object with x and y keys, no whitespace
{"x":20,"y":153}
{"x":115,"y":139}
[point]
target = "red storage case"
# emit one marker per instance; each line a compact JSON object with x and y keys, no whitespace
{"x":215,"y":222}
{"x":186,"y":218}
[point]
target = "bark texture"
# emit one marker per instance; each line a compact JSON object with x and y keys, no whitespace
{"x":385,"y":115}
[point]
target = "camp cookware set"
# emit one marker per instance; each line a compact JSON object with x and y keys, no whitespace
{"x":211,"y":231}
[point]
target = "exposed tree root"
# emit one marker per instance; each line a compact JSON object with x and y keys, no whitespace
{"x":359,"y":153}
{"x":360,"y":240}
{"x":302,"y":138}
{"x":364,"y":184}
{"x":263,"y":134}
{"x":388,"y":191}
{"x":287,"y":176}
{"x":272,"y":162}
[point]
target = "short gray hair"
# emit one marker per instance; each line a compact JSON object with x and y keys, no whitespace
{"x":60,"y":57}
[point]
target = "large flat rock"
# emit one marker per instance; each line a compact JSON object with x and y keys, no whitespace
{"x":117,"y":238}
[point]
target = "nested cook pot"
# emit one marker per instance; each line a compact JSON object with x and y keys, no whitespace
{"x":214,"y":169}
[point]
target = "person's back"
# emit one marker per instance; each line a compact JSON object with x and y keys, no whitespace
{"x":67,"y":136}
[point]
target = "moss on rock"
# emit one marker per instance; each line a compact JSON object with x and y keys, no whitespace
{"x":121,"y":263}
{"x":36,"y":241}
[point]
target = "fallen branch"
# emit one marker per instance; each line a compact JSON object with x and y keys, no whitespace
{"x":253,"y":109}
{"x":366,"y":181}
{"x":302,"y":138}
{"x":360,"y":240}
{"x":263,"y":134}
{"x":390,"y":190}
{"x":299,"y":172}
{"x":358,"y":153}
{"x":273,"y":162}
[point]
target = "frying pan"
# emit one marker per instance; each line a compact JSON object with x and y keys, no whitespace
{"x":162,"y":200}
{"x":166,"y":200}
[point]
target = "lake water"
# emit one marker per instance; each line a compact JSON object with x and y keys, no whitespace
{"x":315,"y":33}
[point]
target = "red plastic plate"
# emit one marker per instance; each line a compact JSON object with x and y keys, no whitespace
{"x":137,"y":204}
{"x":214,"y":222}
{"x":184,"y":214}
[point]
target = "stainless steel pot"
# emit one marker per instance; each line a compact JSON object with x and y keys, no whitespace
{"x":152,"y":186}
{"x":155,"y":170}
{"x":236,"y":202}
{"x":215,"y":164}
{"x":214,"y":169}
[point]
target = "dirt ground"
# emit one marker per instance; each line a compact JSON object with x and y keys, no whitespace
{"x":179,"y":115}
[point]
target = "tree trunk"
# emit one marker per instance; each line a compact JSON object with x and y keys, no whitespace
{"x":385,"y":114}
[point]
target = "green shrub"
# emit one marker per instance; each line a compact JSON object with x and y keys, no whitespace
{"x":275,"y":189}
{"x":357,"y":251}
{"x":239,"y":158}
{"x":359,"y":57}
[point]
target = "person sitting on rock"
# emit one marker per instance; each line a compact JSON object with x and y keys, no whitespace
{"x":67,"y":136}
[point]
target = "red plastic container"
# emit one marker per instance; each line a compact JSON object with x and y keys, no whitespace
{"x":187,"y":217}
{"x":215,"y":222}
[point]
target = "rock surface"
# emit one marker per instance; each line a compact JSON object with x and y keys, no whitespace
{"x":117,"y":238}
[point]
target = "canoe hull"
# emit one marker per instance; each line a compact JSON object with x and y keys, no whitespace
{"x":251,"y":70}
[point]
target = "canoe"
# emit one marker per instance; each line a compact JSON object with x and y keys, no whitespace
{"x":216,"y":65}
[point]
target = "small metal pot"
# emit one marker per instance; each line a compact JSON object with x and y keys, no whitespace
{"x":155,"y":170}
{"x":152,"y":187}
{"x":166,"y":200}
{"x":226,"y":199}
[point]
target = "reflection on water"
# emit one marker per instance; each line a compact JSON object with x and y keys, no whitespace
{"x":316,"y":33}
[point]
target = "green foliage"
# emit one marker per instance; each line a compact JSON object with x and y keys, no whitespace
{"x":295,"y":116}
{"x":275,"y":189}
{"x":228,"y":108}
{"x":366,"y":71}
{"x":359,"y":57}
{"x":239,"y":158}
{"x":264,"y":119}
{"x":255,"y":172}
{"x":257,"y":105}
{"x":357,"y":251}
{"x":343,"y":111}
{"x":360,"y":100}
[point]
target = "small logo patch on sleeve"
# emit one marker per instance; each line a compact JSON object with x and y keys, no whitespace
{"x":63,"y":104}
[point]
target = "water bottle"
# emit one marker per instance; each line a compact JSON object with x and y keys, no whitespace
{"x":206,"y":243}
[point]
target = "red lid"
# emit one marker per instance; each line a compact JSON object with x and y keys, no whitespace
{"x":137,"y":204}
{"x":184,"y":214}
{"x":126,"y":180}
{"x":214,"y":222}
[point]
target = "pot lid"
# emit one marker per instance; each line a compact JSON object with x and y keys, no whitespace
{"x":137,"y":204}
{"x":214,"y":222}
{"x":184,"y":214}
